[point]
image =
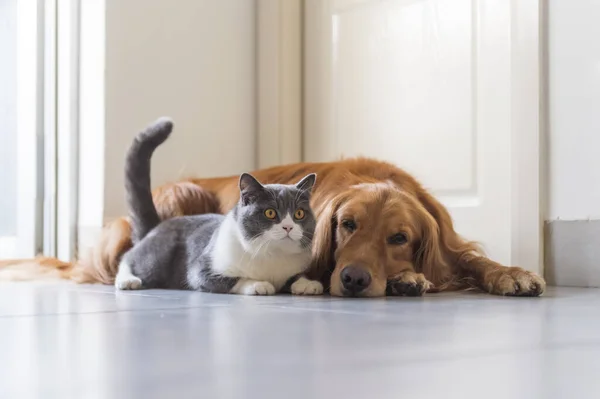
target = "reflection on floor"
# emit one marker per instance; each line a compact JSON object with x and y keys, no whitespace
{"x":68,"y":341}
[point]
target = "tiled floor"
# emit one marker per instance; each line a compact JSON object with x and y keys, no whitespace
{"x":67,"y":341}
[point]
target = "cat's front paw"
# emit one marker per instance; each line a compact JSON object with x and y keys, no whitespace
{"x":304,"y":286}
{"x":258,"y":288}
{"x":128,"y":282}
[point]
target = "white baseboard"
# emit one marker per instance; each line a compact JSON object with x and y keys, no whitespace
{"x":572,"y":253}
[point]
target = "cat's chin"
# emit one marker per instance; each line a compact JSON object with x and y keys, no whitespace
{"x":287,"y":245}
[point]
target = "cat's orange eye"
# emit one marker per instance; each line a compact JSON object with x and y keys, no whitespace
{"x":270,"y":213}
{"x":299,"y":214}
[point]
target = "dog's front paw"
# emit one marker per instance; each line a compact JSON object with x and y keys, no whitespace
{"x":408,"y":284}
{"x":304,"y":286}
{"x":514,"y":281}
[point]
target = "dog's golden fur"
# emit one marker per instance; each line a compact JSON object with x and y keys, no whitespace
{"x":381,"y":200}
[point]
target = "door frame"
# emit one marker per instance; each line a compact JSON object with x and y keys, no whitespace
{"x":281,"y":66}
{"x":528,"y":133}
{"x":279,"y":51}
{"x":31,"y":44}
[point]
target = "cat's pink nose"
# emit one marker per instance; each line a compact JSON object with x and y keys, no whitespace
{"x":288,"y":228}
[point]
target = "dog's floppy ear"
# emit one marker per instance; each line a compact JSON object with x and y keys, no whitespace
{"x":441,"y":247}
{"x":323,"y":247}
{"x":429,"y":256}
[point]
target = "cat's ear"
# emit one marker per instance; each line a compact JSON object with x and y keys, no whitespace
{"x":249,"y":186}
{"x":249,"y":182}
{"x":307,"y":182}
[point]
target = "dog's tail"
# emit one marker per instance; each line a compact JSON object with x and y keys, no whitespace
{"x":40,"y":268}
{"x":142,"y":211}
{"x":100,"y":265}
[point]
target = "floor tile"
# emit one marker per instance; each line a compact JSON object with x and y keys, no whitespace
{"x":86,"y":341}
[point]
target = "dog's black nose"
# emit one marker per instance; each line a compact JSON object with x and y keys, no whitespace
{"x":355,"y":279}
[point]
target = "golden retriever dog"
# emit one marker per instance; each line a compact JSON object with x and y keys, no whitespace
{"x":379,"y":232}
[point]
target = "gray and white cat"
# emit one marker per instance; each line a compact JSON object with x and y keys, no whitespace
{"x":260,"y":247}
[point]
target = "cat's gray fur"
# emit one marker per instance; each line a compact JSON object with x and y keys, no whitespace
{"x":242,"y":252}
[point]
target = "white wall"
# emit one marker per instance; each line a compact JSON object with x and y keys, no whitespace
{"x":193,"y":60}
{"x":574,"y":110}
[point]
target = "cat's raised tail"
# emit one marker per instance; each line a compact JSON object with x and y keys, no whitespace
{"x":142,"y":211}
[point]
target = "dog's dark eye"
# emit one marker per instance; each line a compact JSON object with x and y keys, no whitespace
{"x":398,"y":239}
{"x":349,"y":225}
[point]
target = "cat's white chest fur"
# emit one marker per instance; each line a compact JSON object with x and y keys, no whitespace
{"x":234,"y":257}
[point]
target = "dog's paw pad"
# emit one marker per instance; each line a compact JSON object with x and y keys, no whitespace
{"x":515,"y":281}
{"x":408,"y":284}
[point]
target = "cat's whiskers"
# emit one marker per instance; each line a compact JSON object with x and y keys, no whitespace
{"x":307,"y":236}
{"x":305,"y":242}
{"x":253,"y":249}
{"x":250,"y":245}
{"x":257,"y":251}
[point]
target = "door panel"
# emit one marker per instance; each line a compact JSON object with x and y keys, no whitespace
{"x":426,"y":85}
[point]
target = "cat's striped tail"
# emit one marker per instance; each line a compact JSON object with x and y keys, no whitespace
{"x":142,"y":211}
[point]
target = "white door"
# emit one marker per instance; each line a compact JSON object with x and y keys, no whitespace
{"x":427,"y":85}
